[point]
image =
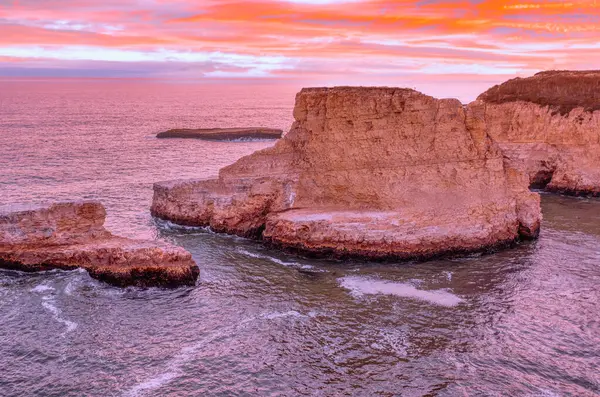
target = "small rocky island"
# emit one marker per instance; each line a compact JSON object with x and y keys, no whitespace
{"x":72,"y":235}
{"x":223,"y":134}
{"x":367,"y":172}
{"x":548,"y":126}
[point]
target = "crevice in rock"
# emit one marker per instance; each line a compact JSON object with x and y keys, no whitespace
{"x":541,"y":179}
{"x":256,"y":233}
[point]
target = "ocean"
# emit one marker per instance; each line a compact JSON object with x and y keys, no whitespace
{"x":520,"y":322}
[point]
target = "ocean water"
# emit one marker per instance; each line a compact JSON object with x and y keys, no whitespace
{"x":521,"y":322}
{"x":95,"y":139}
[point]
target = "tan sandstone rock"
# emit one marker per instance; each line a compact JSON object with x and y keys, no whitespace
{"x":369,"y":172}
{"x":548,"y":126}
{"x":71,"y":235}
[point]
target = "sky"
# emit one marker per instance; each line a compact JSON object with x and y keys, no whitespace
{"x":442,"y":47}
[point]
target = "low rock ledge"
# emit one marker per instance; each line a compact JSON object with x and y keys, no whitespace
{"x":223,"y":134}
{"x":72,"y":235}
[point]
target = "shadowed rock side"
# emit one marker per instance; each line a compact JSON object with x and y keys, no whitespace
{"x":548,"y":126}
{"x":368,"y":172}
{"x":71,"y":235}
{"x":223,"y":134}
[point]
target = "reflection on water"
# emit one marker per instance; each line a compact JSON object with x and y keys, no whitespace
{"x":521,"y":322}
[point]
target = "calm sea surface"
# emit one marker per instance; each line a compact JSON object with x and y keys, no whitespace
{"x":522,"y":322}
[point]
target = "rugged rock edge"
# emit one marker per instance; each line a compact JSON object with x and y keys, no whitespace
{"x":71,"y":235}
{"x":368,"y":172}
{"x":548,"y":126}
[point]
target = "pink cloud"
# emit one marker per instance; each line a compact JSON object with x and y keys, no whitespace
{"x":369,"y":40}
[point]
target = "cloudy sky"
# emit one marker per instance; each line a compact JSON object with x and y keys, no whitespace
{"x":434,"y":45}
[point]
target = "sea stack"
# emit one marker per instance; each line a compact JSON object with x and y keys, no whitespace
{"x":72,"y":235}
{"x":548,"y":126}
{"x":367,"y":172}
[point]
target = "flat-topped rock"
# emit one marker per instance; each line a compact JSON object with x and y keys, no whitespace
{"x":548,"y":126}
{"x":368,"y":172}
{"x":375,"y":235}
{"x":72,"y":235}
{"x":223,"y":134}
{"x":560,"y":90}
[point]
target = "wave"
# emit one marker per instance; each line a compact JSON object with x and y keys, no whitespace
{"x":275,"y":260}
{"x":392,"y":340}
{"x":360,"y":286}
{"x":448,"y":276}
{"x":171,"y":226}
{"x":49,"y":303}
{"x":174,"y":367}
{"x":244,"y":140}
{"x":275,"y":315}
{"x":42,"y":288}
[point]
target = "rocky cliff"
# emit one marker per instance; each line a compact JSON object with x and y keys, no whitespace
{"x":548,"y":126}
{"x":370,"y":172}
{"x":72,"y":235}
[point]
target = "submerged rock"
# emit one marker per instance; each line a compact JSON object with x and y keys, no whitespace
{"x":72,"y":235}
{"x":548,"y":126}
{"x":223,"y":134}
{"x":367,"y":172}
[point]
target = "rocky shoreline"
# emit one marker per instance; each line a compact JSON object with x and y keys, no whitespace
{"x":71,"y":235}
{"x":365,"y":172}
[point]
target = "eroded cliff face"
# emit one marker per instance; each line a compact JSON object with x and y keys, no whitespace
{"x":72,"y":235}
{"x":371,"y":172}
{"x":548,"y":126}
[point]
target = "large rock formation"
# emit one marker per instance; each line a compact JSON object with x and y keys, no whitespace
{"x":71,"y":235}
{"x":548,"y":126}
{"x":370,"y":172}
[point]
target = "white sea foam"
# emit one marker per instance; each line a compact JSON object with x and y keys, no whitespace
{"x":80,"y":277}
{"x":42,"y":288}
{"x":291,"y":313}
{"x":275,"y":260}
{"x":49,"y":304}
{"x":174,"y":367}
{"x":395,"y":340}
{"x":69,"y":288}
{"x":545,"y":393}
{"x":165,"y":224}
{"x":152,"y":384}
{"x":360,"y":286}
{"x":416,"y":282}
{"x":247,"y":140}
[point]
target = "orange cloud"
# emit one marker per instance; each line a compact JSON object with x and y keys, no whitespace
{"x":360,"y":40}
